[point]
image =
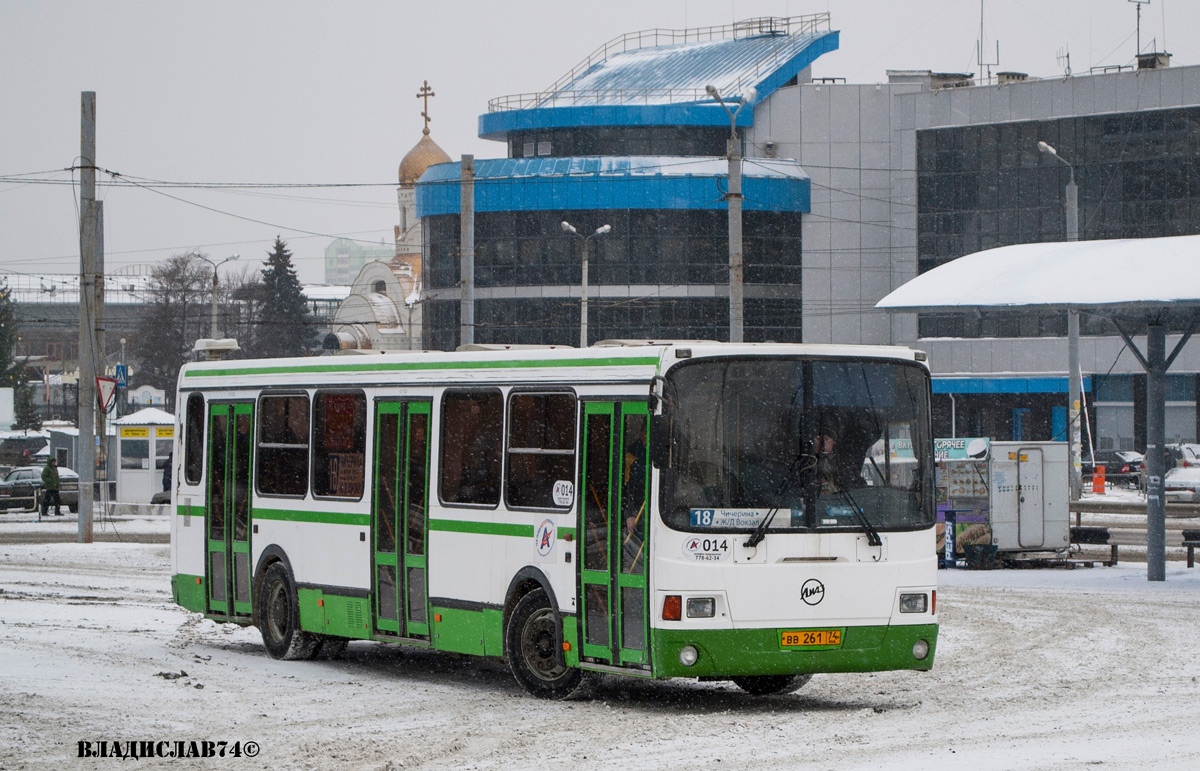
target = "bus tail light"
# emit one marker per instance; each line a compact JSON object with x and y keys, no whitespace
{"x":672,"y":608}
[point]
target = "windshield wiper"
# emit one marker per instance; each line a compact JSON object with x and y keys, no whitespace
{"x":760,"y":532}
{"x":872,"y":534}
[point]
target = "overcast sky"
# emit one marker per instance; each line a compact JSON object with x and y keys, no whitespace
{"x":321,"y":92}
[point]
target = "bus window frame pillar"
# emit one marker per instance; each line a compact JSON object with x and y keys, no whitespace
{"x":734,"y":204}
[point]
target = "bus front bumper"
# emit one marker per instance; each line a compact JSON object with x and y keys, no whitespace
{"x":735,"y":652}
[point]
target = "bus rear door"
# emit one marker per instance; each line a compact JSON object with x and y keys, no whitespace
{"x":614,"y":518}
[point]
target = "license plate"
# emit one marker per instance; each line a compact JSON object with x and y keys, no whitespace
{"x":807,"y":638}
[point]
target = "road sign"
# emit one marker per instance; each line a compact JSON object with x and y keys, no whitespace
{"x":106,"y":389}
{"x":122,"y":376}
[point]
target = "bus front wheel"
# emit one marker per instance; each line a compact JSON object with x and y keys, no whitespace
{"x":535,"y":652}
{"x":767,"y":685}
{"x":279,"y":619}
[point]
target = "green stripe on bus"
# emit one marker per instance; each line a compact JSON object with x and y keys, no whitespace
{"x":323,"y":517}
{"x":481,"y":528}
{"x":448,"y":525}
{"x":494,"y":528}
{"x":424,"y":365}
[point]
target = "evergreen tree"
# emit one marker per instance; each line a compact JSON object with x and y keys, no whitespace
{"x":27,"y":416}
{"x":10,"y":370}
{"x":283,"y":325}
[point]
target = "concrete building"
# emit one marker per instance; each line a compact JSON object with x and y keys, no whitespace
{"x":851,"y":190}
{"x":345,"y":258}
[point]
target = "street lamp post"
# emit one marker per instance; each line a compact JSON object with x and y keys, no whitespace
{"x":212,"y":330}
{"x":734,"y":198}
{"x":1074,"y":375}
{"x":583,"y":299}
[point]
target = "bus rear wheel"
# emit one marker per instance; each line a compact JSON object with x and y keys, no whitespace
{"x":767,"y":685}
{"x":535,"y":652}
{"x":279,"y":619}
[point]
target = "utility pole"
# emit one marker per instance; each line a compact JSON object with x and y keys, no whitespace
{"x":1074,"y":376}
{"x":583,"y":295}
{"x":90,"y":275}
{"x":734,"y":203}
{"x":466,"y":314}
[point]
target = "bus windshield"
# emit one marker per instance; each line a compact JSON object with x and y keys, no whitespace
{"x":810,"y":444}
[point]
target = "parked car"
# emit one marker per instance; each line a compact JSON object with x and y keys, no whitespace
{"x":1183,"y":455}
{"x":21,"y":486}
{"x":1182,"y":485}
{"x":1120,"y":466}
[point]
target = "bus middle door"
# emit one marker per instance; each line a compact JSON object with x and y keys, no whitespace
{"x":227,"y":507}
{"x":614,"y":514}
{"x":399,"y":508}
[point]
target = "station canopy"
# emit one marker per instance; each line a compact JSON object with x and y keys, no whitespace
{"x":1131,"y":278}
{"x":1143,"y":285}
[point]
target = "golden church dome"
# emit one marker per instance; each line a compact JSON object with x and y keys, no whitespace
{"x":425,"y":154}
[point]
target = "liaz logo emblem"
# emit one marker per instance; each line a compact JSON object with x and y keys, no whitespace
{"x":543,"y":537}
{"x":812,"y":592}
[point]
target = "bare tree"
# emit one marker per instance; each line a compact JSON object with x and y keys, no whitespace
{"x":178,"y":314}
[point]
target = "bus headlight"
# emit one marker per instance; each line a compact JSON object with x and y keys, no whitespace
{"x":688,"y":655}
{"x":914,"y":603}
{"x":701,"y":607}
{"x":920,"y":650}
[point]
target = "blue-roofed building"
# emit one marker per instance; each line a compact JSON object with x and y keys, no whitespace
{"x":631,"y":139}
{"x":850,"y":190}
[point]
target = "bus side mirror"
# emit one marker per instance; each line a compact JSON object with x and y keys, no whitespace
{"x":660,"y":441}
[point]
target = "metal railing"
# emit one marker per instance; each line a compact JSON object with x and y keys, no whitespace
{"x":802,"y":29}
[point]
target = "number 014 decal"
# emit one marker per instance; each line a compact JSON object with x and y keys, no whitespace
{"x":710,"y":549}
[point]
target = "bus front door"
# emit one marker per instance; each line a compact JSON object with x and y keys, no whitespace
{"x":399,"y":505}
{"x":227,"y":508}
{"x":614,"y":521}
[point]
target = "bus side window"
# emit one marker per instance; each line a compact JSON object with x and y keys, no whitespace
{"x":283,"y":445}
{"x":472,"y":423}
{"x":541,"y":449}
{"x":193,"y":467}
{"x":339,"y":443}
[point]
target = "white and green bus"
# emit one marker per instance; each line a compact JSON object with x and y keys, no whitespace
{"x":685,"y":509}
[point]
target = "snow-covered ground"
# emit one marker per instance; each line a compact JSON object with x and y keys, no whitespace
{"x":1035,"y":669}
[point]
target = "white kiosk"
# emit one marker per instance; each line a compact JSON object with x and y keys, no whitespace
{"x":145,"y":441}
{"x":1029,"y":496}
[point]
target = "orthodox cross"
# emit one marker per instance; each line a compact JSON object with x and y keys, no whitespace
{"x":425,"y":93}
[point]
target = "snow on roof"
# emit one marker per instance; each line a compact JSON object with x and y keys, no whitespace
{"x":119,"y":289}
{"x":150,"y":416}
{"x":665,"y":71}
{"x":618,"y":166}
{"x":64,"y":288}
{"x":325,"y":292}
{"x":1125,"y":272}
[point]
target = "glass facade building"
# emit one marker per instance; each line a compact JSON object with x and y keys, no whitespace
{"x":985,"y":186}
